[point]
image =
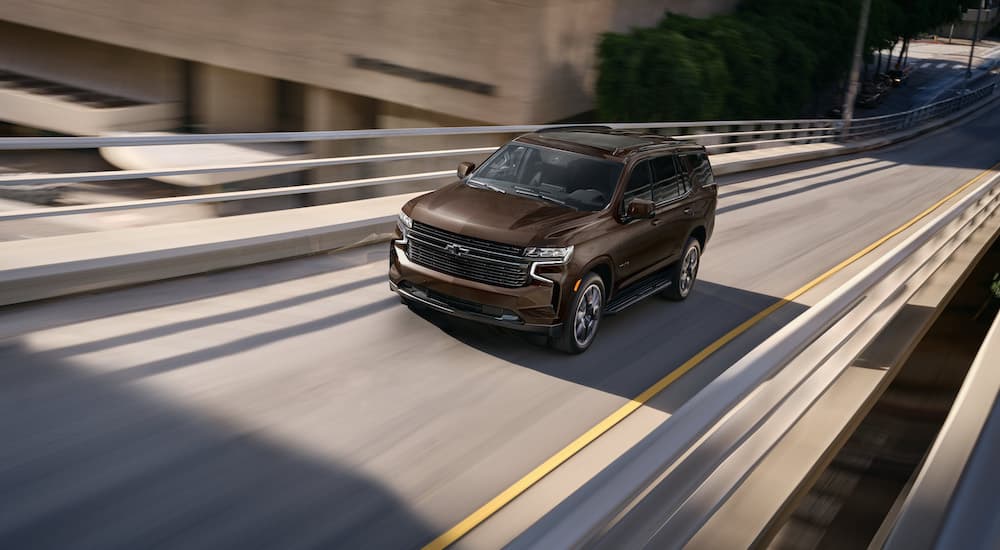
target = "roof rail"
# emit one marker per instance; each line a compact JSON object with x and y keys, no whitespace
{"x":583,"y":127}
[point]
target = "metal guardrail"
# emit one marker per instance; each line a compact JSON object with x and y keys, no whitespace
{"x":704,"y":450}
{"x":804,"y":131}
{"x":31,"y":143}
{"x":301,"y":164}
{"x":217,"y":197}
{"x":716,"y":136}
{"x":915,"y":117}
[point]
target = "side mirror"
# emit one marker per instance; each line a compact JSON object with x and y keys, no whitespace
{"x":465,"y":168}
{"x":639,"y":209}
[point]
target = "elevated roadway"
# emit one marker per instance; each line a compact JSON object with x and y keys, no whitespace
{"x":299,"y":405}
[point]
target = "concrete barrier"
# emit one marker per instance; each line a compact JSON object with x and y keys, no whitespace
{"x":55,"y":266}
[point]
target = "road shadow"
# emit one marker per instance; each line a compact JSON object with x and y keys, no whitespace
{"x":55,"y":313}
{"x":112,"y":465}
{"x":796,"y":191}
{"x":237,"y":314}
{"x":968,"y":144}
{"x":639,"y":346}
{"x":839,"y":168}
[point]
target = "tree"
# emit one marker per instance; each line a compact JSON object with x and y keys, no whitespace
{"x":767,"y":59}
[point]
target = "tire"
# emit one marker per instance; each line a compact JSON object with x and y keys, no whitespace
{"x":584,"y":316}
{"x":684,"y":272}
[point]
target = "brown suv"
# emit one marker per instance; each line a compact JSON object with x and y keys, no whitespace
{"x":558,"y":228}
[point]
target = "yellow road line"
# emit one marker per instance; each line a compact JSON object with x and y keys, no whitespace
{"x":460,"y":529}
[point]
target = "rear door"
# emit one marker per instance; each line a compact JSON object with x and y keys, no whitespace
{"x":671,"y":195}
{"x":704,"y":193}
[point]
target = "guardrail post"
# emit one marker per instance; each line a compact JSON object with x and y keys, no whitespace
{"x":770,"y":135}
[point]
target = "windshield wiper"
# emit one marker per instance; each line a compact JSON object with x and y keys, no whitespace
{"x":537,"y":195}
{"x":483,"y":185}
{"x":551,"y":199}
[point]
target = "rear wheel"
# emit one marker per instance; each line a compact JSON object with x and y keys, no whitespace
{"x":684,"y":272}
{"x":583,"y":317}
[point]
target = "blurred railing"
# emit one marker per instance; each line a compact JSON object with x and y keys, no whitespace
{"x":718,"y":137}
{"x":865,"y":127}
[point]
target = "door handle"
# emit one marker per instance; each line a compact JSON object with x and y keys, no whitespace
{"x":687,"y":211}
{"x":656,"y":221}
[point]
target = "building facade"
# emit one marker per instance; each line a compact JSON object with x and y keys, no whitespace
{"x":95,"y":66}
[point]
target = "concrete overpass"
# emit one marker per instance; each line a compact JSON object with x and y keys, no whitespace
{"x":297,"y":404}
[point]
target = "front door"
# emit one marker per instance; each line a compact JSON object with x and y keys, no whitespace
{"x":637,"y":248}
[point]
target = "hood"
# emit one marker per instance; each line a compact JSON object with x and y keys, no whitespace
{"x":505,"y":218}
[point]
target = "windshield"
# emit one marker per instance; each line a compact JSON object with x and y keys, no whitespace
{"x":551,"y":175}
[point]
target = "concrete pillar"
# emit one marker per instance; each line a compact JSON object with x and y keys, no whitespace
{"x":332,"y":110}
{"x":233,"y":101}
{"x":326,"y":109}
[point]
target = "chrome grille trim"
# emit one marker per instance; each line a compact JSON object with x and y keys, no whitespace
{"x":482,"y":261}
{"x":483,"y":245}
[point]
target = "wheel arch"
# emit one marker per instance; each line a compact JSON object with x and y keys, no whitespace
{"x":602,"y":267}
{"x":700,"y":234}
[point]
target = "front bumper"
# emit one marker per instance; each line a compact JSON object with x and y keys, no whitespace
{"x":532,"y":308}
{"x":504,"y":319}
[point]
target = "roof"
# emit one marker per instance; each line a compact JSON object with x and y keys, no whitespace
{"x":597,"y":140}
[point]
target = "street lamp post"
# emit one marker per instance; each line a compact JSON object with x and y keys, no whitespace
{"x":975,"y":36}
{"x":852,"y":86}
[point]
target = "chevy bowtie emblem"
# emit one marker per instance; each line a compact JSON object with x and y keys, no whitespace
{"x":456,"y":250}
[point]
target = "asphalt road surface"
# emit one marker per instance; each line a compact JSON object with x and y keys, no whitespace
{"x":937,"y":73}
{"x":299,"y":405}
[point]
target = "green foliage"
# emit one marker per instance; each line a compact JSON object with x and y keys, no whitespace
{"x":768,"y":59}
{"x":637,"y":71}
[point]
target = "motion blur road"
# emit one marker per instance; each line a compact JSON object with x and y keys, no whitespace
{"x":299,"y":405}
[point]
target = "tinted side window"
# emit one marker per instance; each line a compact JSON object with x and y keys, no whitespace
{"x":697,"y":165}
{"x":669,"y":183}
{"x":640,"y":184}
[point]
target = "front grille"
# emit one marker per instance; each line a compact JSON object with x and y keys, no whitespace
{"x":467,"y":257}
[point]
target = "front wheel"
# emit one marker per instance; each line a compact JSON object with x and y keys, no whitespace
{"x":584,"y":316}
{"x":683,"y":273}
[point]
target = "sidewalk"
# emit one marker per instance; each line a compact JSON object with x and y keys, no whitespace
{"x":55,"y":266}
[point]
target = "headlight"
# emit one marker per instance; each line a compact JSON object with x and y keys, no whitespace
{"x":405,"y":221}
{"x":554,"y":253}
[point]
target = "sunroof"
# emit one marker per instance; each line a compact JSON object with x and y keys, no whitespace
{"x":601,"y":141}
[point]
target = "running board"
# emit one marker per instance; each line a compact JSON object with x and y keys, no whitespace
{"x":638,"y":292}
